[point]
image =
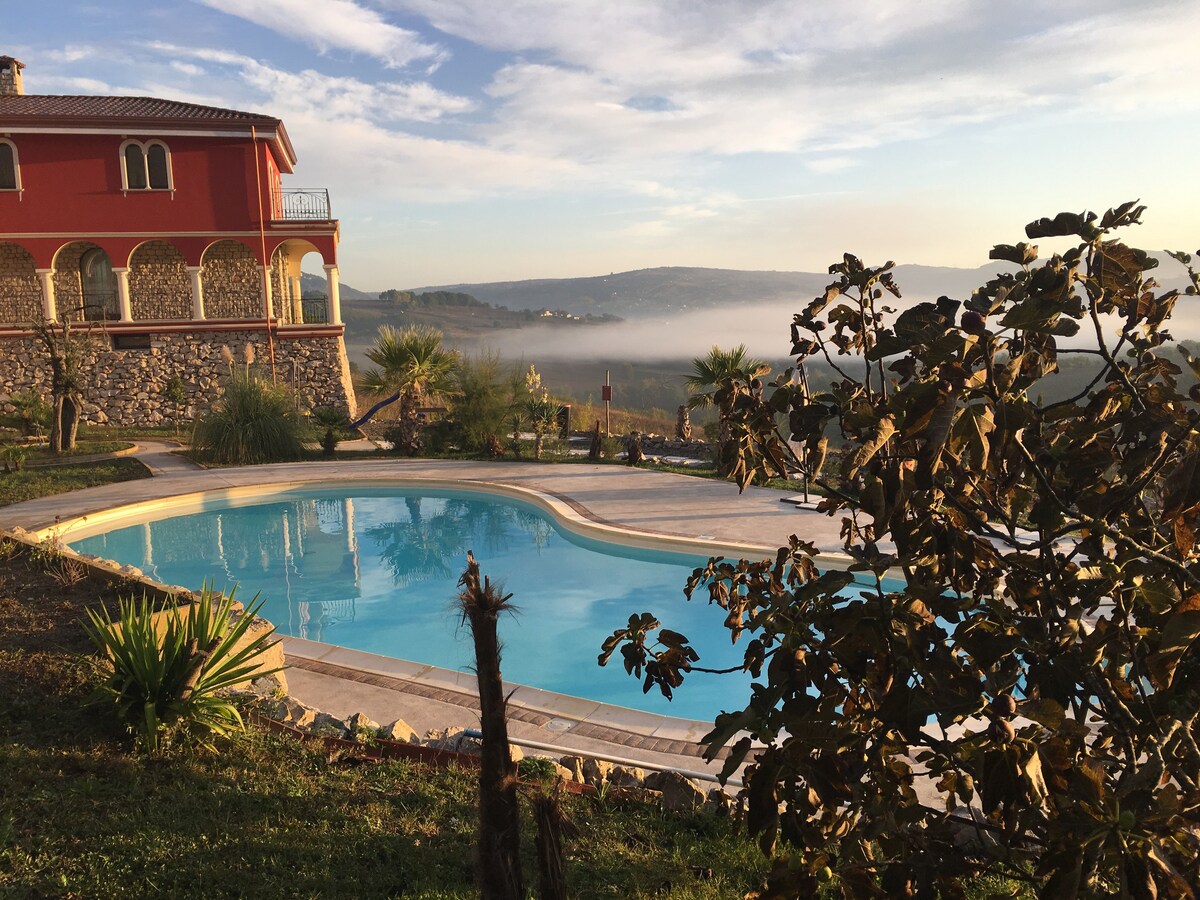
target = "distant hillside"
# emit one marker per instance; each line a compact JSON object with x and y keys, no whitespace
{"x":465,"y":320}
{"x":662,"y":291}
{"x":653,"y":292}
{"x":315,"y":284}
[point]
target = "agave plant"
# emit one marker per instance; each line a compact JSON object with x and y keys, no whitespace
{"x":168,"y":671}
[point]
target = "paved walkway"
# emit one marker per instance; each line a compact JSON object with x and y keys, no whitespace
{"x":660,"y":508}
{"x":159,"y":457}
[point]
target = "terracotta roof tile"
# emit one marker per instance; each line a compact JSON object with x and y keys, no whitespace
{"x":55,"y":106}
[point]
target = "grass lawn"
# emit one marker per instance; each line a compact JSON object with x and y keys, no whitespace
{"x":129,"y":432}
{"x":81,"y":815}
{"x":82,"y":448}
{"x":45,"y":480}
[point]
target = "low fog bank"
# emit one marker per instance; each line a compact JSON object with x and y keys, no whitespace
{"x":764,"y":328}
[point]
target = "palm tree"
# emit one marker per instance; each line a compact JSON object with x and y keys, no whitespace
{"x":715,"y":380}
{"x":412,"y":364}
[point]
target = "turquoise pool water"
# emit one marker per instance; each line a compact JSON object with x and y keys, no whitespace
{"x":376,"y":569}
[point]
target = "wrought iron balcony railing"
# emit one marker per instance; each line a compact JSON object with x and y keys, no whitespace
{"x":315,"y":310}
{"x":301,"y":205}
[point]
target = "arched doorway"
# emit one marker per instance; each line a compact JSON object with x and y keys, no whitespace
{"x":84,"y":283}
{"x":98,"y":286}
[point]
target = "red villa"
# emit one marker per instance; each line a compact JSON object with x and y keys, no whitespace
{"x":165,"y":225}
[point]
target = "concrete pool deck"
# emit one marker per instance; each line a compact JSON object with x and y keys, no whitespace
{"x":661,"y":508}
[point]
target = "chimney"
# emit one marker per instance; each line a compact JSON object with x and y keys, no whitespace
{"x":11,"y":84}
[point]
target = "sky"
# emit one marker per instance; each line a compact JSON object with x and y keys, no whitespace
{"x":489,"y":140}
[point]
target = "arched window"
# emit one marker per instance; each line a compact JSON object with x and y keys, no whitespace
{"x":10,"y":170}
{"x":135,"y":168}
{"x":146,"y":167}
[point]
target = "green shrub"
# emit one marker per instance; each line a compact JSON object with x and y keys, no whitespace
{"x":537,"y":768}
{"x":31,"y":413}
{"x":254,"y":422}
{"x":325,"y":418}
{"x":484,"y":393}
{"x":12,"y":456}
{"x":168,"y":669}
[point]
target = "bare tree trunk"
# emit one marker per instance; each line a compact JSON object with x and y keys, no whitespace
{"x":56,"y":435}
{"x":71,"y":406}
{"x":408,"y":426}
{"x":499,"y":862}
{"x":595,"y":448}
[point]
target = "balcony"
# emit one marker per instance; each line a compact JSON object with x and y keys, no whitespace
{"x":314,"y":310}
{"x":301,"y":205}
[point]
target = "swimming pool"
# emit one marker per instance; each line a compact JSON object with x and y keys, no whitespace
{"x":376,"y":568}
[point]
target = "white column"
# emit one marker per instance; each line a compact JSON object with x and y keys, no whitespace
{"x":123,"y":303}
{"x":297,"y":300}
{"x":268,"y":307}
{"x":197,"y":292}
{"x":334,"y":303}
{"x":49,"y":307}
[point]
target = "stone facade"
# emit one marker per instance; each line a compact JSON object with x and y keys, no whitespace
{"x":20,"y":291}
{"x":127,"y":386}
{"x":68,"y":288}
{"x":159,"y":285}
{"x":232,"y":282}
{"x":284,"y":308}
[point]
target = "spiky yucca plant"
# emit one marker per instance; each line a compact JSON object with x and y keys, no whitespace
{"x":253,"y":422}
{"x":166,"y":686}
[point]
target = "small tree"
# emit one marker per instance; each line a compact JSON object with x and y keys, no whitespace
{"x":413,"y":363}
{"x":1036,"y":659}
{"x":65,"y":351}
{"x":724,"y":379}
{"x":483,"y":395}
{"x":173,"y":392}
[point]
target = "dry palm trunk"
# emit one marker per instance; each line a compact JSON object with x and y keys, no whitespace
{"x":499,"y":861}
{"x":551,"y":823}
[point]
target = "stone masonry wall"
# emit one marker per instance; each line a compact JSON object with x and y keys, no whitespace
{"x":67,"y":290}
{"x":231,"y":282}
{"x":20,"y":290}
{"x":279,"y":287}
{"x":159,"y":285}
{"x":126,"y":386}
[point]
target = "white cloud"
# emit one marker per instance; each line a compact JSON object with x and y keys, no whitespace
{"x":69,"y":54}
{"x":334,"y":98}
{"x":828,"y":164}
{"x":621,"y":80}
{"x":186,"y":68}
{"x":336,"y":23}
{"x":354,"y":132}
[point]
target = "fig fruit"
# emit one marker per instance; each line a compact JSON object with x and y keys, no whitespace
{"x":973,"y":322}
{"x":1004,"y":705}
{"x":1002,"y":732}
